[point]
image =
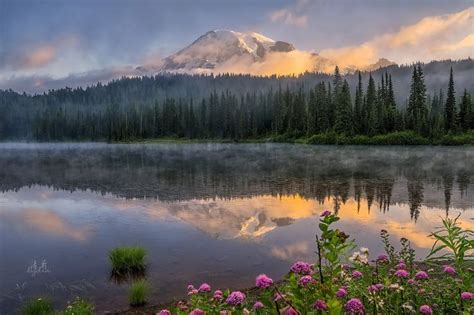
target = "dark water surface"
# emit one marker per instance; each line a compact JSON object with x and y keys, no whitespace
{"x":207,"y":212}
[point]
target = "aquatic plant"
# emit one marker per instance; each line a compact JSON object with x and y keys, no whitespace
{"x":138,"y":293}
{"x":39,"y":306}
{"x":127,"y":259}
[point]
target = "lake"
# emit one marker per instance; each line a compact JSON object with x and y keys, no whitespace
{"x":216,"y":213}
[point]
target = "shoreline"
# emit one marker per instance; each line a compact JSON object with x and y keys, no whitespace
{"x":392,"y":139}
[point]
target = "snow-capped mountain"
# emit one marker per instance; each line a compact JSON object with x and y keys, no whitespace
{"x":220,"y":51}
{"x":219,"y":46}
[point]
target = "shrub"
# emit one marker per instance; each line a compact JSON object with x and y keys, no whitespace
{"x":78,"y":307}
{"x":128,"y":259}
{"x":38,"y":306}
{"x":324,"y":138}
{"x":138,"y":293}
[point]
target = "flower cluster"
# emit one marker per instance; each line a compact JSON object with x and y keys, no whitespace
{"x":392,"y":283}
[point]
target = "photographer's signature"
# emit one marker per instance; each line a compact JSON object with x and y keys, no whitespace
{"x":36,"y":268}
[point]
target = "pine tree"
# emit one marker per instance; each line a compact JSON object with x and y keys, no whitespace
{"x":417,"y":109}
{"x":465,"y":116}
{"x":391,"y":107}
{"x":343,"y":123}
{"x":358,"y":104}
{"x":370,"y":108}
{"x":450,"y":107}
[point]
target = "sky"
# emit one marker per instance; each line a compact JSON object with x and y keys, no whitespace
{"x":77,"y":42}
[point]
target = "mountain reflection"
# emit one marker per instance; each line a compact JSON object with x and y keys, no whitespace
{"x":379,"y":177}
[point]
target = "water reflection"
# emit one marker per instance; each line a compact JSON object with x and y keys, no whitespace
{"x":215,"y":213}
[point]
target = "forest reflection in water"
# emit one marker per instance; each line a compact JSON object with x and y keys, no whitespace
{"x":217,"y":213}
{"x":208,"y":171}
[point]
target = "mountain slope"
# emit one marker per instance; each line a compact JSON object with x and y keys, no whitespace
{"x":219,"y":46}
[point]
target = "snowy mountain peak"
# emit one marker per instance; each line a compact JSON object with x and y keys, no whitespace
{"x":217,"y":47}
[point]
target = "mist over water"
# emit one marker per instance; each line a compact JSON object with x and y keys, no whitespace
{"x":220,"y":213}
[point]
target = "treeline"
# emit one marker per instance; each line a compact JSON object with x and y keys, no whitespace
{"x":289,"y":113}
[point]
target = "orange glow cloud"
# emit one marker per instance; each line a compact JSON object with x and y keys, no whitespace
{"x":39,"y":57}
{"x":434,"y":37}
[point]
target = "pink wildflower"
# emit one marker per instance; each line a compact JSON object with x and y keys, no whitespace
{"x":401,"y":265}
{"x":204,"y":288}
{"x":305,"y":280}
{"x":197,"y":311}
{"x":467,"y":296}
{"x":421,"y":275}
{"x":341,"y":293}
{"x":382,"y":259}
{"x":449,"y":270}
{"x":218,"y":294}
{"x":193,"y":291}
{"x":425,"y":309}
{"x":354,"y":306}
{"x":290,"y":311}
{"x":356,"y":274}
{"x":235,"y":298}
{"x":302,"y":267}
{"x":263,"y":281}
{"x":164,"y":312}
{"x":401,"y":273}
{"x":257,"y":305}
{"x":325,"y":213}
{"x":320,"y":305}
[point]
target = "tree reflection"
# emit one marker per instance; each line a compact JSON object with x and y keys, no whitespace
{"x":185,"y":172}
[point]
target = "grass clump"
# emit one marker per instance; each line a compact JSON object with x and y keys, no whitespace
{"x":138,"y":293}
{"x":78,"y":307}
{"x":128,"y":259}
{"x":38,"y":306}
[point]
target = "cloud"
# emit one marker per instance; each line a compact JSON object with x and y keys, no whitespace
{"x":46,"y":221}
{"x":292,"y":15}
{"x":30,"y":57}
{"x":432,"y":38}
{"x":40,"y":83}
{"x":287,"y":17}
{"x":280,"y":63}
{"x":40,"y":57}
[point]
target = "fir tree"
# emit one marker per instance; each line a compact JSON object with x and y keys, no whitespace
{"x":358,"y":104}
{"x":343,"y":123}
{"x":450,"y":107}
{"x":465,"y":116}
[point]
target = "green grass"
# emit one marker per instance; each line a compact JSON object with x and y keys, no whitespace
{"x":38,"y":307}
{"x":128,"y":259}
{"x":78,"y":307}
{"x":138,"y":293}
{"x":407,"y":137}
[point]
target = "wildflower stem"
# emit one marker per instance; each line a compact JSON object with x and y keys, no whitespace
{"x":321,"y":278}
{"x":284,"y":299}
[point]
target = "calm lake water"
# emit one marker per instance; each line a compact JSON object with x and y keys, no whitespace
{"x":219,"y":213}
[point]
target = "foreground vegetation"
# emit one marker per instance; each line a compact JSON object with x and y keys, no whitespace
{"x":44,"y":307}
{"x":341,"y":281}
{"x":391,"y":283}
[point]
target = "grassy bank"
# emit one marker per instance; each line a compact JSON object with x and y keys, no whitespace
{"x":331,"y":138}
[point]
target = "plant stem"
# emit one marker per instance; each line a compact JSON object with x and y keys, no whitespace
{"x":320,"y":268}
